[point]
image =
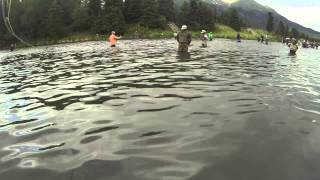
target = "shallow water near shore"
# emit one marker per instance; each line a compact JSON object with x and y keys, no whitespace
{"x":232,"y":111}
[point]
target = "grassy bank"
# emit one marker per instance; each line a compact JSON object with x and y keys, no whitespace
{"x":221,"y":31}
{"x":139,"y":32}
{"x":226,"y":32}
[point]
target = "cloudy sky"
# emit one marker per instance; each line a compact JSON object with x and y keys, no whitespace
{"x":304,"y":12}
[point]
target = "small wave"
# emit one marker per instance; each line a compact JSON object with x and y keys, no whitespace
{"x":159,"y":109}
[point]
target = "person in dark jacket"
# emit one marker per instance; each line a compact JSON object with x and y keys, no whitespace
{"x":184,"y":39}
{"x":238,"y":37}
{"x":293,"y":47}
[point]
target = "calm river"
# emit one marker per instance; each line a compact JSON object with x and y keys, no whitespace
{"x":233,"y":111}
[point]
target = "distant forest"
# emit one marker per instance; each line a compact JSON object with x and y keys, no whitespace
{"x":55,"y":19}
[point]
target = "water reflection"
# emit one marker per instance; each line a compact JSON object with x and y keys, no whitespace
{"x":82,"y":111}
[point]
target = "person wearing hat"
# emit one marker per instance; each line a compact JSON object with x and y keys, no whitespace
{"x":113,"y":39}
{"x":184,"y":39}
{"x":293,"y":47}
{"x":204,"y":38}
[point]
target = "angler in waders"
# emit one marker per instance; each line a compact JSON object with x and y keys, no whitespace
{"x":184,"y":39}
{"x":293,"y":47}
{"x":238,"y":37}
{"x":210,"y":36}
{"x":204,"y":38}
{"x":113,"y":39}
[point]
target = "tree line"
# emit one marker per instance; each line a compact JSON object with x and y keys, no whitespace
{"x":54,"y":19}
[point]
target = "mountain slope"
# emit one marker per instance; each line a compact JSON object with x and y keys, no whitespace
{"x":256,"y":15}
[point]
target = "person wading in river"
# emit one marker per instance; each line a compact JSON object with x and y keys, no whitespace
{"x":239,"y":37}
{"x":293,"y":47}
{"x":184,"y":39}
{"x":113,"y":39}
{"x":204,"y":38}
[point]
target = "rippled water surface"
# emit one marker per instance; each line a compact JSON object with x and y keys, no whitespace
{"x":228,"y":112}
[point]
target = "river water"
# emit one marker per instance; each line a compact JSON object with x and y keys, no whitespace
{"x":233,"y":111}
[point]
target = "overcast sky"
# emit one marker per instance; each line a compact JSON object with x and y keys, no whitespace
{"x":304,"y":12}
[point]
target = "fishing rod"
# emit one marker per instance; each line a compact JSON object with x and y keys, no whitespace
{"x":6,"y":20}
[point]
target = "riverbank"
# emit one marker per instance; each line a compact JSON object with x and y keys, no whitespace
{"x":139,"y":32}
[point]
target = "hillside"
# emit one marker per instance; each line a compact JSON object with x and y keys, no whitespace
{"x":256,"y":15}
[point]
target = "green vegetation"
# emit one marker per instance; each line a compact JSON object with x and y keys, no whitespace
{"x":227,"y":32}
{"x":58,"y":21}
{"x":232,"y":19}
{"x":140,"y":32}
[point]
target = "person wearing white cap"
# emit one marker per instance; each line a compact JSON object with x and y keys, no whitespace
{"x":204,"y":38}
{"x":184,"y":39}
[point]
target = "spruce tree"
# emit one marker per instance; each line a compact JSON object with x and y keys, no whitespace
{"x":281,"y":29}
{"x":183,"y":17}
{"x":234,"y":20}
{"x":194,"y":14}
{"x":3,"y":31}
{"x":206,"y":15}
{"x":167,"y":9}
{"x":55,"y":26}
{"x":151,"y":16}
{"x":133,"y":11}
{"x":94,"y":7}
{"x":95,"y":11}
{"x":295,"y":33}
{"x":287,"y":31}
{"x":80,"y":18}
{"x":269,"y":26}
{"x":113,"y":17}
{"x":68,"y":8}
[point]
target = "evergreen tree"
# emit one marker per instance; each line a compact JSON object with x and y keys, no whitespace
{"x":68,"y":8}
{"x":206,"y":15}
{"x":295,"y":33}
{"x":34,"y":18}
{"x":3,"y":31}
{"x":151,"y":16}
{"x":184,"y":13}
{"x":303,"y":36}
{"x":194,"y":14}
{"x":113,"y":17}
{"x":307,"y":37}
{"x":80,"y":18}
{"x":234,"y":20}
{"x":55,"y":28}
{"x":95,"y":15}
{"x":287,"y":31}
{"x":281,"y":29}
{"x":269,"y":26}
{"x":133,"y":11}
{"x":94,"y":7}
{"x":166,"y":9}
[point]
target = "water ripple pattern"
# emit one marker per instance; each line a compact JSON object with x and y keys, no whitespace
{"x":143,"y":112}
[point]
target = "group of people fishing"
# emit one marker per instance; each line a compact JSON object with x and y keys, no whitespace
{"x":294,"y":44}
{"x":263,"y":39}
{"x":184,"y":38}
